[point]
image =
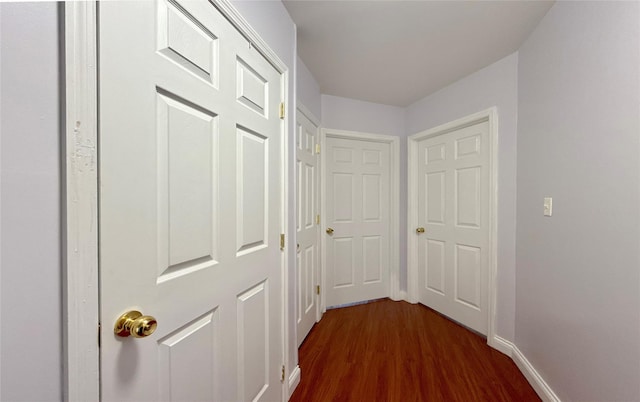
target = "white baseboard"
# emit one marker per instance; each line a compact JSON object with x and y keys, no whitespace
{"x":501,"y":345}
{"x":294,"y":380}
{"x":535,"y":379}
{"x":402,"y":295}
{"x":538,"y":383}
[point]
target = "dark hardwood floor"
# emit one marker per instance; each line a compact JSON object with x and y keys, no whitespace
{"x":396,"y":351}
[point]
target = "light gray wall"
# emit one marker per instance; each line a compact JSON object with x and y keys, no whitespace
{"x":308,"y":90}
{"x":495,"y":85}
{"x":578,"y":272}
{"x":374,"y":118}
{"x":274,"y":25}
{"x":355,"y":115}
{"x":30,"y":268}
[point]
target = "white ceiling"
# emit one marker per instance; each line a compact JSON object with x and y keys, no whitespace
{"x":397,"y":52}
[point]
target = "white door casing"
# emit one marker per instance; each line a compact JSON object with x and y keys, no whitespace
{"x":191,"y":205}
{"x":452,"y":195}
{"x":360,"y":196}
{"x":307,"y":225}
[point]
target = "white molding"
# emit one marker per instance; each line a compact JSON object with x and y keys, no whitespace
{"x":532,"y":375}
{"x":294,"y":380}
{"x":493,"y":222}
{"x":80,"y":283}
{"x":286,"y":339}
{"x":308,"y":114}
{"x":538,"y":383}
{"x":240,"y":23}
{"x":491,"y":116}
{"x":403,"y":295}
{"x":357,"y":135}
{"x":501,"y":345}
{"x":394,"y":207}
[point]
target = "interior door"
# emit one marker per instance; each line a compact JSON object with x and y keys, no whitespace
{"x":453,"y":224}
{"x":308,"y":256}
{"x":190,"y":201}
{"x":357,"y":198}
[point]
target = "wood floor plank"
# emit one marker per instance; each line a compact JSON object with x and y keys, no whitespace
{"x":396,"y":351}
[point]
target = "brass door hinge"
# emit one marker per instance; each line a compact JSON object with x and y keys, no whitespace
{"x":282,"y":110}
{"x":282,"y":241}
{"x":317,"y":148}
{"x":99,"y":335}
{"x":282,"y":378}
{"x":317,"y":289}
{"x":317,"y":219}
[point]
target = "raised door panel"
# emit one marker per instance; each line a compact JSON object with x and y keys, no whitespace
{"x":434,"y":266}
{"x":467,"y":275}
{"x":371,"y":197}
{"x":187,"y":187}
{"x":309,"y":275}
{"x":372,"y":258}
{"x":343,"y":262}
{"x":186,"y":41}
{"x":195,"y":341}
{"x":309,"y":207}
{"x":252,"y":191}
{"x":252,"y":89}
{"x":253,"y":314}
{"x":435,"y":197}
{"x":343,"y":194}
{"x":468,"y":206}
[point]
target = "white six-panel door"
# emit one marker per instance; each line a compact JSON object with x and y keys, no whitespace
{"x":357,"y":223}
{"x":452,"y":198}
{"x":190,"y":206}
{"x":308,"y":253}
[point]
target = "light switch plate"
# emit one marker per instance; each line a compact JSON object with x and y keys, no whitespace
{"x":548,"y":206}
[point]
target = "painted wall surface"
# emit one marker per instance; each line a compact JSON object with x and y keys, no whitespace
{"x":308,"y":90}
{"x":495,"y":85}
{"x":355,"y":115}
{"x":274,"y":25}
{"x":578,"y":276}
{"x":30,"y":267}
{"x":374,"y":118}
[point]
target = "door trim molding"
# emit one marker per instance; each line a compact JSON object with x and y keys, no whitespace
{"x":491,"y":116}
{"x":80,"y":288}
{"x":81,"y":376}
{"x":394,"y":212}
{"x":308,"y":114}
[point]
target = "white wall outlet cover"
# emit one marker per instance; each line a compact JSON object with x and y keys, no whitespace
{"x":548,"y":206}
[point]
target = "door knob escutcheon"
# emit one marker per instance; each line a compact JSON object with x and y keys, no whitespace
{"x":135,"y":324}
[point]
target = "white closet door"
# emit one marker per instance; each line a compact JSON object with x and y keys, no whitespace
{"x":190,"y":201}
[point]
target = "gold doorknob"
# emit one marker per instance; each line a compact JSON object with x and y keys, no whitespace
{"x":420,"y":230}
{"x":329,"y":231}
{"x":135,"y":324}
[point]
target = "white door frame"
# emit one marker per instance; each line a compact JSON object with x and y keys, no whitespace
{"x":491,"y":116}
{"x":81,"y":378}
{"x":316,"y":121}
{"x":394,"y":214}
